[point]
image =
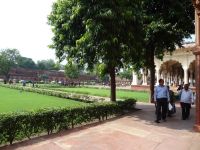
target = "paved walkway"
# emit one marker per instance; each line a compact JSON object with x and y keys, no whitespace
{"x":136,"y":131}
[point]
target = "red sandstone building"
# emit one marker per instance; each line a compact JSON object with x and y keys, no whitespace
{"x":36,"y":75}
{"x":18,"y":74}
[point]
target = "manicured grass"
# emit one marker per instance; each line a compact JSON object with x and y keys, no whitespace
{"x":14,"y":100}
{"x":121,"y":94}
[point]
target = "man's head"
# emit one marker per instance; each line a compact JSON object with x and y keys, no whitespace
{"x":186,"y":86}
{"x":161,"y":82}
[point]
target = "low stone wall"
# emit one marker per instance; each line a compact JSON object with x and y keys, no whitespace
{"x":140,"y":87}
{"x":147,"y":88}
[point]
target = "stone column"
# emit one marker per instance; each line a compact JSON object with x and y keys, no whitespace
{"x":197,"y":63}
{"x":191,"y":78}
{"x":162,"y":76}
{"x":185,"y":74}
{"x":144,"y":77}
{"x":197,"y":84}
{"x":135,"y":79}
{"x":168,"y":78}
{"x":165,"y":78}
{"x":157,"y":76}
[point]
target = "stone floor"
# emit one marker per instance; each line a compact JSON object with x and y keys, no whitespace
{"x":135,"y":131}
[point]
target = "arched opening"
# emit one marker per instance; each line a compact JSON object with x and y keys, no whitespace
{"x":172,"y":72}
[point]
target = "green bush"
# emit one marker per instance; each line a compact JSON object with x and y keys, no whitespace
{"x":74,"y":96}
{"x":21,"y":125}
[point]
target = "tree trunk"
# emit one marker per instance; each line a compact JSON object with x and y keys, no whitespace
{"x":152,"y":76}
{"x":112,"y":84}
{"x":6,"y":78}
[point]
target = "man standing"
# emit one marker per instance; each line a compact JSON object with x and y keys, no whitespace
{"x":161,"y":97}
{"x":186,"y":99}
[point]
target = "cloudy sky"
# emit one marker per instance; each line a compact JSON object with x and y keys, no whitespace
{"x":24,"y":26}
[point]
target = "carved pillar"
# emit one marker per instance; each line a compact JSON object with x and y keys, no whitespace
{"x":197,"y":63}
{"x":157,"y":76}
{"x":144,"y":77}
{"x":185,"y":75}
{"x":197,"y":79}
{"x":135,"y":79}
{"x":191,"y":78}
{"x":165,"y":78}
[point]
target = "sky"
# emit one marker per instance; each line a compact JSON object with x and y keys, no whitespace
{"x":23,"y":25}
{"x":192,"y":39}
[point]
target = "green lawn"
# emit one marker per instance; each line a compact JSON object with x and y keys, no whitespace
{"x":14,"y":100}
{"x":121,"y":94}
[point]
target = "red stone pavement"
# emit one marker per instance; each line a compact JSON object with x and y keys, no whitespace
{"x":135,"y":131}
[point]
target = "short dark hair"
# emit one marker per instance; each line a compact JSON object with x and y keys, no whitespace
{"x":160,"y":80}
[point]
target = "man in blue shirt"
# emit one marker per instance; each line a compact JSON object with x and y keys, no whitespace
{"x":161,"y":98}
{"x":186,"y":99}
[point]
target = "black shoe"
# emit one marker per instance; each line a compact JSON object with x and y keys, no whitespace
{"x":157,"y":121}
{"x":164,"y":120}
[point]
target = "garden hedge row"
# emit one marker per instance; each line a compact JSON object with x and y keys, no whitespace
{"x":61,"y":94}
{"x":23,"y":125}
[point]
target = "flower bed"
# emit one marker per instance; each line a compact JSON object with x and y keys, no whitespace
{"x":74,"y":96}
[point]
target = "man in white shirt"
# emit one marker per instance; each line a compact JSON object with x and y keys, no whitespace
{"x":186,"y":99}
{"x":161,"y":97}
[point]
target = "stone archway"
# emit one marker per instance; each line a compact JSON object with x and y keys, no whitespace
{"x":172,"y":72}
{"x":183,"y":56}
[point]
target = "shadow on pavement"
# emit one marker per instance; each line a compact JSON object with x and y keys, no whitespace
{"x":147,"y":114}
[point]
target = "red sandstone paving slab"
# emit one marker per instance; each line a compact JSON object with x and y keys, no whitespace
{"x":174,"y":144}
{"x":169,"y":127}
{"x":154,"y":133}
{"x":195,"y":143}
{"x":41,"y":146}
{"x":107,"y":140}
{"x":45,"y":146}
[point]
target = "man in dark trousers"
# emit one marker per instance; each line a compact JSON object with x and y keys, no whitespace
{"x":186,"y":99}
{"x":161,"y":98}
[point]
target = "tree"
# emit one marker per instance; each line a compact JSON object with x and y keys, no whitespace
{"x":126,"y":74}
{"x":25,"y":62}
{"x":72,"y":70}
{"x":43,"y":77}
{"x":101,"y":71}
{"x":92,"y":31}
{"x":47,"y":65}
{"x":58,"y":66}
{"x":8,"y":59}
{"x":166,"y":24}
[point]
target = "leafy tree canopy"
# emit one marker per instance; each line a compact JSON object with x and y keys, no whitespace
{"x":25,"y":62}
{"x":8,"y":59}
{"x":47,"y":65}
{"x":92,"y":31}
{"x":72,"y":70}
{"x":126,"y":73}
{"x":165,"y":23}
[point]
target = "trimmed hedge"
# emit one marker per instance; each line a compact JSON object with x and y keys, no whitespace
{"x":73,"y":96}
{"x":23,"y":125}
